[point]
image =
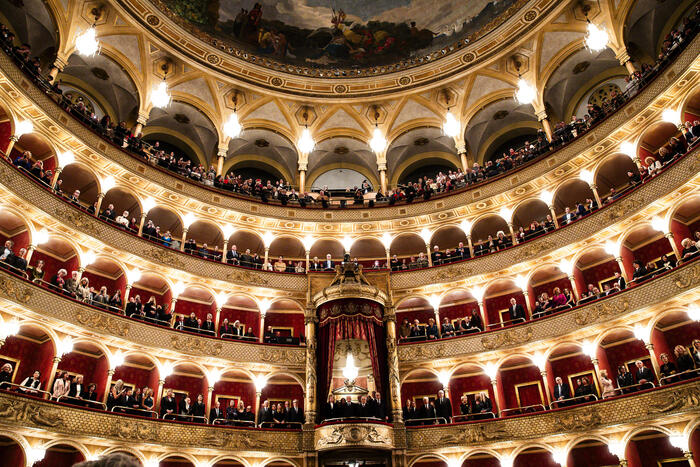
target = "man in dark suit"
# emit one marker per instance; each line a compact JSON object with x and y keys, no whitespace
{"x":516,"y":312}
{"x":130,"y":401}
{"x":77,"y":389}
{"x":191,"y":323}
{"x":232,"y":256}
{"x":409,"y":412}
{"x":231,"y":412}
{"x":330,"y":408}
{"x":350,"y":408}
{"x":265,"y":413}
{"x":620,"y":282}
{"x":432,"y":330}
{"x":643,"y":375}
{"x":168,"y":405}
{"x":216,"y":412}
{"x":561,"y":392}
{"x":417,"y":331}
{"x":379,"y":408}
{"x":328,"y":264}
{"x":443,"y":407}
{"x":461,"y":252}
{"x":208,"y":326}
{"x":427,"y":412}
{"x":295,"y":414}
{"x":363,"y":408}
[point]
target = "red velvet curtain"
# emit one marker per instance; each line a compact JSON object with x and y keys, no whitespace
{"x":350,"y":319}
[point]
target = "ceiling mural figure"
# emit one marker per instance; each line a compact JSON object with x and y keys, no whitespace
{"x":342,"y":32}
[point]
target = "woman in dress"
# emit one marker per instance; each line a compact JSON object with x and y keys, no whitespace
{"x":606,"y":384}
{"x":36,"y":273}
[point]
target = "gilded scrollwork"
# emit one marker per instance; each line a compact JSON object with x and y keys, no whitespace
{"x":689,"y":277}
{"x":196,"y":345}
{"x":510,"y":337}
{"x":281,"y":356}
{"x":101,"y":321}
{"x":679,"y":399}
{"x":475,"y":434}
{"x":77,"y":219}
{"x":602,"y":310}
{"x":26,"y":411}
{"x":164,"y":256}
{"x":136,"y":431}
{"x":352,"y":435}
{"x":579,"y":420}
{"x":12,"y":289}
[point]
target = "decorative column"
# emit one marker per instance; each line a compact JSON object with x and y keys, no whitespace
{"x":30,"y":251}
{"x":81,"y":270}
{"x":676,"y":251}
{"x":184,"y":237}
{"x":654,"y":361}
{"x":393,"y":365}
{"x":52,"y":374}
{"x":217,"y":320}
{"x":303,"y":166}
{"x":554,"y":216}
{"x":594,"y":361}
{"x":140,"y":122}
{"x":574,"y":289}
{"x":542,"y":117}
{"x":267,"y":254}
{"x":430,"y":258}
{"x":224,"y":251}
{"x":471,"y":246}
{"x":496,"y":395}
{"x":220,"y":158}
{"x":527,"y":302}
{"x":689,"y":458}
{"x":58,"y":66}
{"x":308,"y":262}
{"x":594,"y":189}
{"x":258,"y":393}
{"x":262,"y":327}
{"x":100,"y":197}
{"x":126,"y":294}
{"x":625,"y":60}
{"x":207,"y":407}
{"x":512,"y":232}
{"x":461,"y":147}
{"x":159,"y":395}
{"x":302,"y":181}
{"x":621,"y":265}
{"x":382,"y":177}
{"x":547,"y":394}
{"x":310,"y":408}
{"x":110,"y":373}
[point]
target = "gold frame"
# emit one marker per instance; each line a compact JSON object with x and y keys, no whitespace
{"x":226,"y":396}
{"x":15,"y":367}
{"x":663,"y":462}
{"x":132,"y":386}
{"x":603,"y":281}
{"x":646,"y":359}
{"x":590,"y":373}
{"x":529,"y":383}
{"x":176,"y":392}
{"x":417,"y":399}
{"x":500,"y":316}
{"x":286,"y":328}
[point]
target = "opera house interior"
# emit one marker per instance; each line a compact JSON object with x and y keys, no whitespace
{"x":389,"y":233}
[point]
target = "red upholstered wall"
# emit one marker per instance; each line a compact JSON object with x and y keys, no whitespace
{"x":21,"y":240}
{"x":458,"y":311}
{"x":591,"y":456}
{"x":145,"y":295}
{"x":11,"y":453}
{"x":619,"y":354}
{"x":60,"y":455}
{"x":97,"y":281}
{"x":422,"y":315}
{"x":248,"y":317}
{"x":244,"y":391}
{"x":648,"y":452}
{"x":479,"y":460}
{"x":421,"y":388}
{"x":51,"y":264}
{"x":459,"y":386}
{"x":94,"y":370}
{"x":599,"y":272}
{"x":695,"y":443}
{"x":193,"y":386}
{"x":568,"y":366}
{"x":643,"y":154}
{"x":139,"y":377}
{"x":535,"y":459}
{"x":501,"y":302}
{"x":680,"y":231}
{"x":185,"y":307}
{"x":690,"y":116}
{"x":562,"y":283}
{"x":281,"y":392}
{"x":32,"y":356}
{"x":653,"y":250}
{"x":286,"y":320}
{"x":529,"y":396}
{"x":5,"y":133}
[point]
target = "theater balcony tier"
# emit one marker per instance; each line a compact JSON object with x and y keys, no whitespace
{"x":68,"y":218}
{"x":673,"y":408}
{"x":628,"y":123}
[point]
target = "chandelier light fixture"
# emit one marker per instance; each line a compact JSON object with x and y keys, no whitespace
{"x":306,"y":142}
{"x":86,"y":43}
{"x":160,"y":96}
{"x":378,"y":142}
{"x":596,"y":38}
{"x":232,"y":127}
{"x":350,"y":371}
{"x":451,"y":125}
{"x":525,"y":93}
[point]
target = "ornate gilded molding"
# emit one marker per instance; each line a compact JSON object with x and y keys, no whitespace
{"x":222,"y":206}
{"x":354,"y":435}
{"x":17,"y":411}
{"x":48,"y":305}
{"x":630,"y":409}
{"x":654,"y":292}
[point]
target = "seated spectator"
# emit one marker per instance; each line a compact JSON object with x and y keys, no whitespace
{"x":689,"y":251}
{"x":31,"y":384}
{"x":447,"y":329}
{"x":6,"y":372}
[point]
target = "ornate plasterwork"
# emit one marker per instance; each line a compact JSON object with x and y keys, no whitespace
{"x":222,"y":208}
{"x":657,"y":291}
{"x":354,"y":435}
{"x":265,"y":72}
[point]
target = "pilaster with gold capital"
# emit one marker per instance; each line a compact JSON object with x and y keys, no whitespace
{"x":393,"y":364}
{"x":310,"y":406}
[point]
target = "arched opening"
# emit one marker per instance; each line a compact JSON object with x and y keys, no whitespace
{"x":35,"y":155}
{"x":481,"y":459}
{"x":80,"y":186}
{"x":498,"y":306}
{"x":673,"y":337}
{"x":228,"y":463}
{"x":239,"y":319}
{"x":596,"y":273}
{"x":414,"y":314}
{"x":418,"y":386}
{"x":12,"y":452}
{"x":568,"y":196}
{"x":530,"y":218}
{"x":340,"y":163}
{"x":616,"y":174}
{"x":286,"y":253}
{"x":121,"y":208}
{"x":571,"y":376}
{"x":407,"y":249}
{"x":175,"y":461}
{"x":107,"y":278}
{"x":86,"y":364}
{"x":420,"y":153}
{"x":324,"y":247}
{"x":149,"y":289}
{"x":56,"y":255}
{"x":618,"y":354}
{"x":249,"y":248}
{"x":685,"y":222}
{"x":30,"y":350}
{"x":652,"y":447}
{"x":196,"y":310}
{"x":234,"y":396}
{"x":187,"y":384}
{"x":430,"y":461}
{"x":260,"y":154}
{"x":137,"y":372}
{"x":545,"y":287}
{"x":591,"y":452}
{"x":281,"y":391}
{"x":520,"y":383}
{"x":471,"y":393}
{"x":491,"y":233}
{"x":370,"y":253}
{"x":284,"y":323}
{"x":452,"y":240}
{"x":204,"y":239}
{"x":643,"y":250}
{"x":461,"y":310}
{"x":164,"y":226}
{"x":653,"y":139}
{"x":14,"y":229}
{"x":61,"y":454}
